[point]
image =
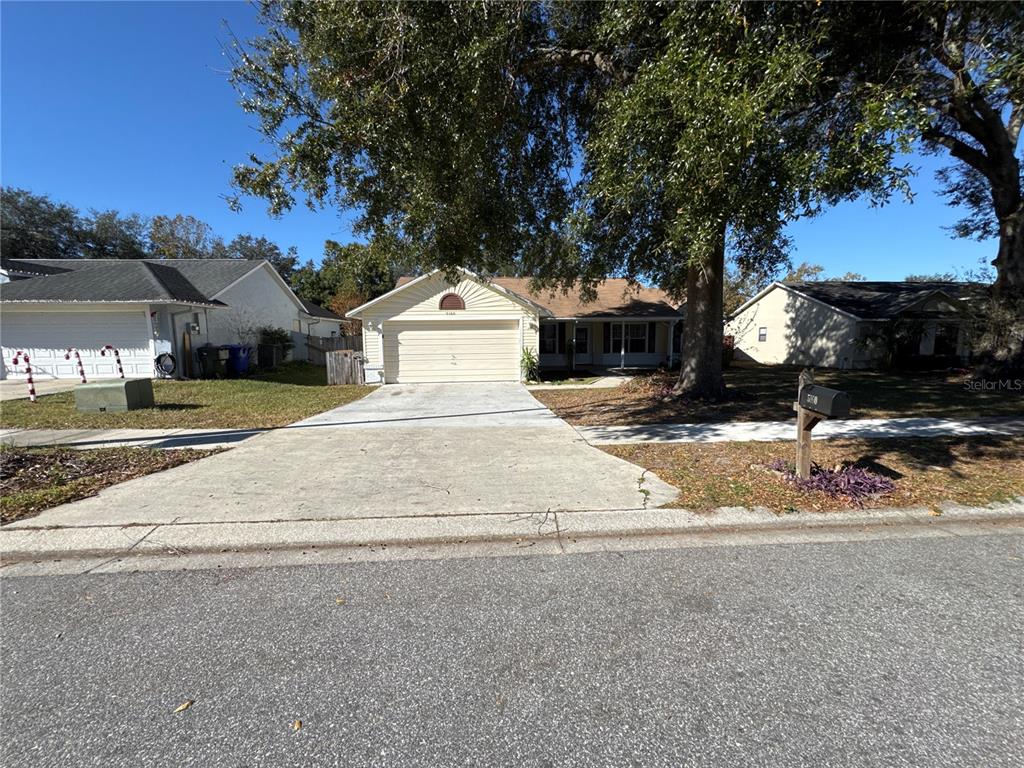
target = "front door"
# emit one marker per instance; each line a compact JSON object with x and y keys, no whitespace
{"x":584,"y":355}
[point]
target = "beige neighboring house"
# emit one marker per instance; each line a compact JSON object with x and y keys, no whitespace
{"x":431,"y":330}
{"x":844,"y":324}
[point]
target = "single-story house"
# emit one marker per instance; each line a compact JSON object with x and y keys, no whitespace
{"x":847,"y":324}
{"x":428,"y":329}
{"x":143,"y":308}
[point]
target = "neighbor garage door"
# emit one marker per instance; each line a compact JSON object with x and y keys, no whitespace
{"x":478,"y":350}
{"x":45,"y":336}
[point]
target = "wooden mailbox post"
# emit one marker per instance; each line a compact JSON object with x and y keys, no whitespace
{"x":814,"y":404}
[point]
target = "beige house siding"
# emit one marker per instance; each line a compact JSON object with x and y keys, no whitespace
{"x":800,"y":331}
{"x":442,"y":340}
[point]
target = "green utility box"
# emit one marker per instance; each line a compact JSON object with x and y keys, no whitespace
{"x":114,"y":396}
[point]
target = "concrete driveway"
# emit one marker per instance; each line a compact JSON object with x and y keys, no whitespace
{"x":441,"y":449}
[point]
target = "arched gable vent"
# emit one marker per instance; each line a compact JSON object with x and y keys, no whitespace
{"x":452,"y":301}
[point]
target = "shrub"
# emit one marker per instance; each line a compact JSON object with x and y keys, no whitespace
{"x":530,"y":365}
{"x":850,"y":482}
{"x":277,"y":337}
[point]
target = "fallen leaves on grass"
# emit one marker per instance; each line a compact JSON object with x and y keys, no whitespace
{"x":34,"y":479}
{"x":924,"y":471}
{"x":183,"y":706}
{"x":297,"y":725}
{"x":766,"y":393}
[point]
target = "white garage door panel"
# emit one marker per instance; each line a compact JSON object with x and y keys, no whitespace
{"x":477,"y":350}
{"x":45,"y":336}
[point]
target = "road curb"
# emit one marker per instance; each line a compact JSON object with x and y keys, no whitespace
{"x":47,"y":544}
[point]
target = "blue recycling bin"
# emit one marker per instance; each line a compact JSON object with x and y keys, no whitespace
{"x":238,"y":359}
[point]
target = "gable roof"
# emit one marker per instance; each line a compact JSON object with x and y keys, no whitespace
{"x":875,"y":299}
{"x":615,"y":298}
{"x":407,"y":281}
{"x":882,"y":300}
{"x":113,"y":281}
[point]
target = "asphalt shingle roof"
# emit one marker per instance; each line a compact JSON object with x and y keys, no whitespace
{"x":878,"y":300}
{"x":316,"y":310}
{"x":185,"y":281}
{"x":615,"y":298}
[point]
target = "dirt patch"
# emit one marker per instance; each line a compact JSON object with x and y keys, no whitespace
{"x":34,"y":479}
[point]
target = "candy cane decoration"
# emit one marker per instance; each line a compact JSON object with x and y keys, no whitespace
{"x":28,"y":369}
{"x":117,"y":357}
{"x":78,"y":357}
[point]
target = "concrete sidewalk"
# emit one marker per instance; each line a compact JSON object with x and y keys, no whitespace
{"x":25,"y":543}
{"x":120,"y":438}
{"x":761,"y":431}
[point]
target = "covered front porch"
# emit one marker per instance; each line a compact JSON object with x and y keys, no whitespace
{"x":609,"y":343}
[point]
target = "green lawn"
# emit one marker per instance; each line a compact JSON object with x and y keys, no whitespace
{"x":766,"y":393}
{"x":287,"y":394}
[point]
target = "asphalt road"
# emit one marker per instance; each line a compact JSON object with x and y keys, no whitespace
{"x":890,"y":653}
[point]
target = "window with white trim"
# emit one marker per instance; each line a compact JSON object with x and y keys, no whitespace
{"x":616,"y":338}
{"x":636,"y":338}
{"x":582,"y":345}
{"x":762,"y":334}
{"x":548,"y":338}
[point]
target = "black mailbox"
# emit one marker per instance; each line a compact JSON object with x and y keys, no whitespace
{"x":828,"y":402}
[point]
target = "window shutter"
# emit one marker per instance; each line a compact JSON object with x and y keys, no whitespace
{"x":652,"y":337}
{"x":606,"y":338}
{"x":561,"y":338}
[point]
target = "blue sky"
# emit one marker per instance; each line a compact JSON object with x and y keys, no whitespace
{"x":127,"y":106}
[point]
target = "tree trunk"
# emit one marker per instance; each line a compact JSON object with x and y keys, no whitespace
{"x":1009,"y":261}
{"x":700,"y":374}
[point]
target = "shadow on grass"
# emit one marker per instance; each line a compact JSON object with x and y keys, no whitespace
{"x":940,"y":452}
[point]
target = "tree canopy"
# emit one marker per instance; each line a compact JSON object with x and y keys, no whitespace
{"x":35,"y":227}
{"x":572,"y":141}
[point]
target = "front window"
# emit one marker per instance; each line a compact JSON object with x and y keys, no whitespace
{"x":636,"y":338}
{"x":582,"y":340}
{"x":635,"y":335}
{"x":762,"y":334}
{"x":548,"y":338}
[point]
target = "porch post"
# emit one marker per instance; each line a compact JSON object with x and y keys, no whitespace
{"x":671,"y":342}
{"x":572,"y":348}
{"x":622,"y":346}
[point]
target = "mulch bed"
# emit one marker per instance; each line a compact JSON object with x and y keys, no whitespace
{"x":34,"y":479}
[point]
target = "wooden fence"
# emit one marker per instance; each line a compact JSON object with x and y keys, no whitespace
{"x":345,"y":366}
{"x":318,"y":347}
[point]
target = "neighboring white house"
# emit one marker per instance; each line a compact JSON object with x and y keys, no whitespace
{"x":845,"y":324}
{"x":430,"y":330}
{"x":143,"y":308}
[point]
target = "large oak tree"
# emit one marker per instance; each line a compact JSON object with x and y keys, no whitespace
{"x":572,"y":141}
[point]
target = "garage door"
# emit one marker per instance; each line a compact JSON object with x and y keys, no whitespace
{"x":45,"y":336}
{"x":478,"y":350}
